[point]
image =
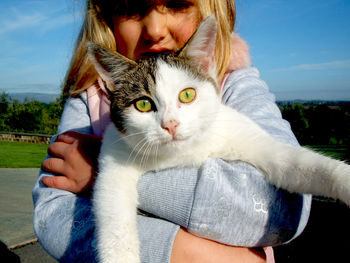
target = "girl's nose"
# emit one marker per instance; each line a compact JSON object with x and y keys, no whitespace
{"x":155,"y":25}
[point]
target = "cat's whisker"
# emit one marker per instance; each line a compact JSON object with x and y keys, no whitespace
{"x":127,"y":136}
{"x":150,"y":150}
{"x":143,"y":155}
{"x":134,"y":148}
{"x":146,"y":154}
{"x":141,"y":151}
{"x":144,"y":141}
{"x":149,"y":153}
{"x":156,"y":155}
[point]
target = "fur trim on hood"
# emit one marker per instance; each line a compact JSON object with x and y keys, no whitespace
{"x":240,"y":57}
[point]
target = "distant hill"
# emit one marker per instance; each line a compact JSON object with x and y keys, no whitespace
{"x":47,"y":98}
{"x":313,"y":102}
{"x":42,"y":97}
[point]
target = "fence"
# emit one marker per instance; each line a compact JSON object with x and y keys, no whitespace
{"x":25,"y":137}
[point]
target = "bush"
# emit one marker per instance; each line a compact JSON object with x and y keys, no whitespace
{"x":31,"y":116}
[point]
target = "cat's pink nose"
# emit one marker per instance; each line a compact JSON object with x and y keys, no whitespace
{"x":170,"y":126}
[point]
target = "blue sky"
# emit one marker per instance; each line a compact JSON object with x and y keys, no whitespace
{"x":301,"y":47}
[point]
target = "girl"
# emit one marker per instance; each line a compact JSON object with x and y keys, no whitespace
{"x":229,"y":203}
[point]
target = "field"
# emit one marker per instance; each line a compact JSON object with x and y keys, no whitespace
{"x":335,"y":151}
{"x":22,"y":155}
{"x":28,"y":155}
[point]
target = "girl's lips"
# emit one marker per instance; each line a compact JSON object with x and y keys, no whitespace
{"x":153,"y":52}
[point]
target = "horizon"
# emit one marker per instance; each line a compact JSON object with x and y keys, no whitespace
{"x":302,"y":49}
{"x":35,"y":95}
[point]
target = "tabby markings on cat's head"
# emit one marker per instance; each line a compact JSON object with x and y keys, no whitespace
{"x":161,"y":87}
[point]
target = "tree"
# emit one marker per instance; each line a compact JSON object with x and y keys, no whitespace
{"x":317,"y":124}
{"x":30,"y":116}
{"x":25,"y":117}
{"x":51,"y":117}
{"x":4,"y":105}
{"x":295,"y":114}
{"x":4,"y":102}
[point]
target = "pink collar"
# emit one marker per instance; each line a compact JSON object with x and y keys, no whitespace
{"x":99,"y":103}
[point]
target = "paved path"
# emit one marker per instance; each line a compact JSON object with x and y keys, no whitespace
{"x":324,"y":240}
{"x":16,"y":204}
{"x":16,"y":212}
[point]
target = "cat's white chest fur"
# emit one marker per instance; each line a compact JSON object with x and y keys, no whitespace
{"x":115,"y":203}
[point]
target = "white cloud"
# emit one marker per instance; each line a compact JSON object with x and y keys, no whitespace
{"x":21,"y":21}
{"x":32,"y":87}
{"x":337,"y":64}
{"x":38,"y":15}
{"x":313,"y":94}
{"x":59,"y":21}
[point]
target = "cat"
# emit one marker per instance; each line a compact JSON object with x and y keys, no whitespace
{"x":166,"y":112}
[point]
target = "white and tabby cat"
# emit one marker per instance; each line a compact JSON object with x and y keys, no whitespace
{"x":166,"y":112}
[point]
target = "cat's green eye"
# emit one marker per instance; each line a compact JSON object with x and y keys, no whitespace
{"x":143,"y":105}
{"x":187,"y":95}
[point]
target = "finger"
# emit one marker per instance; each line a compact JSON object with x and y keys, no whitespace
{"x":71,"y":136}
{"x":58,"y":149}
{"x":59,"y":182}
{"x":54,"y":165}
{"x":67,"y":137}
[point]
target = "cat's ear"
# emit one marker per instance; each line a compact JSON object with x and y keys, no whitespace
{"x":201,"y":46}
{"x":108,"y":64}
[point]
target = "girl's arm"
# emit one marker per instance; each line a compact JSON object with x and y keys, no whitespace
{"x":189,"y":248}
{"x":64,"y":221}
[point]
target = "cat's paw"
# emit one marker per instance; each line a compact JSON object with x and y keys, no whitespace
{"x":344,"y":195}
{"x":343,"y":183}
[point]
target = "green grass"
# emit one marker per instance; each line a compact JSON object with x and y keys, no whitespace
{"x":334,"y":151}
{"x":22,"y":155}
{"x":29,"y":155}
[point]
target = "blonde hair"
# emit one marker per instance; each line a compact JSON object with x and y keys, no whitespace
{"x":97,"y":27}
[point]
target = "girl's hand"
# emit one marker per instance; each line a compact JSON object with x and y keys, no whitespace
{"x":190,"y":248}
{"x":75,"y":158}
